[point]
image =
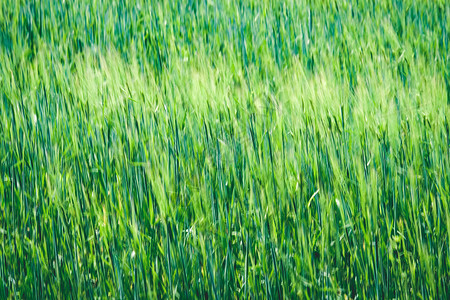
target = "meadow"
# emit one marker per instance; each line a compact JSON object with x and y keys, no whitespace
{"x":221,"y":149}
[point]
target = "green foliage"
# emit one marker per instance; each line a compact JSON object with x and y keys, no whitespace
{"x":193,"y":149}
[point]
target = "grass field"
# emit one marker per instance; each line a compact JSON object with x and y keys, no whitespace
{"x":209,"y":149}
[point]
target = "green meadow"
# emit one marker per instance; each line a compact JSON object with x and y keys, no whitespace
{"x":224,"y":149}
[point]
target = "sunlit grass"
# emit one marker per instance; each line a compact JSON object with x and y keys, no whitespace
{"x":189,"y":150}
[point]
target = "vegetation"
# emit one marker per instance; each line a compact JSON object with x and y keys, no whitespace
{"x":193,"y":149}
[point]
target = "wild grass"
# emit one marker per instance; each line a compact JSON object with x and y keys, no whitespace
{"x":193,"y":149}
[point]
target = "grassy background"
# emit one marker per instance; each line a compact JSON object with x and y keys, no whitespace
{"x":211,"y":149}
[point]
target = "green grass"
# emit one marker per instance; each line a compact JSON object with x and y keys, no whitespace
{"x":192,"y":149}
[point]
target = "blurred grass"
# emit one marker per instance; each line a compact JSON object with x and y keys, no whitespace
{"x":199,"y":149}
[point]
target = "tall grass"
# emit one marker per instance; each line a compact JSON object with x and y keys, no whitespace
{"x":192,"y":149}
